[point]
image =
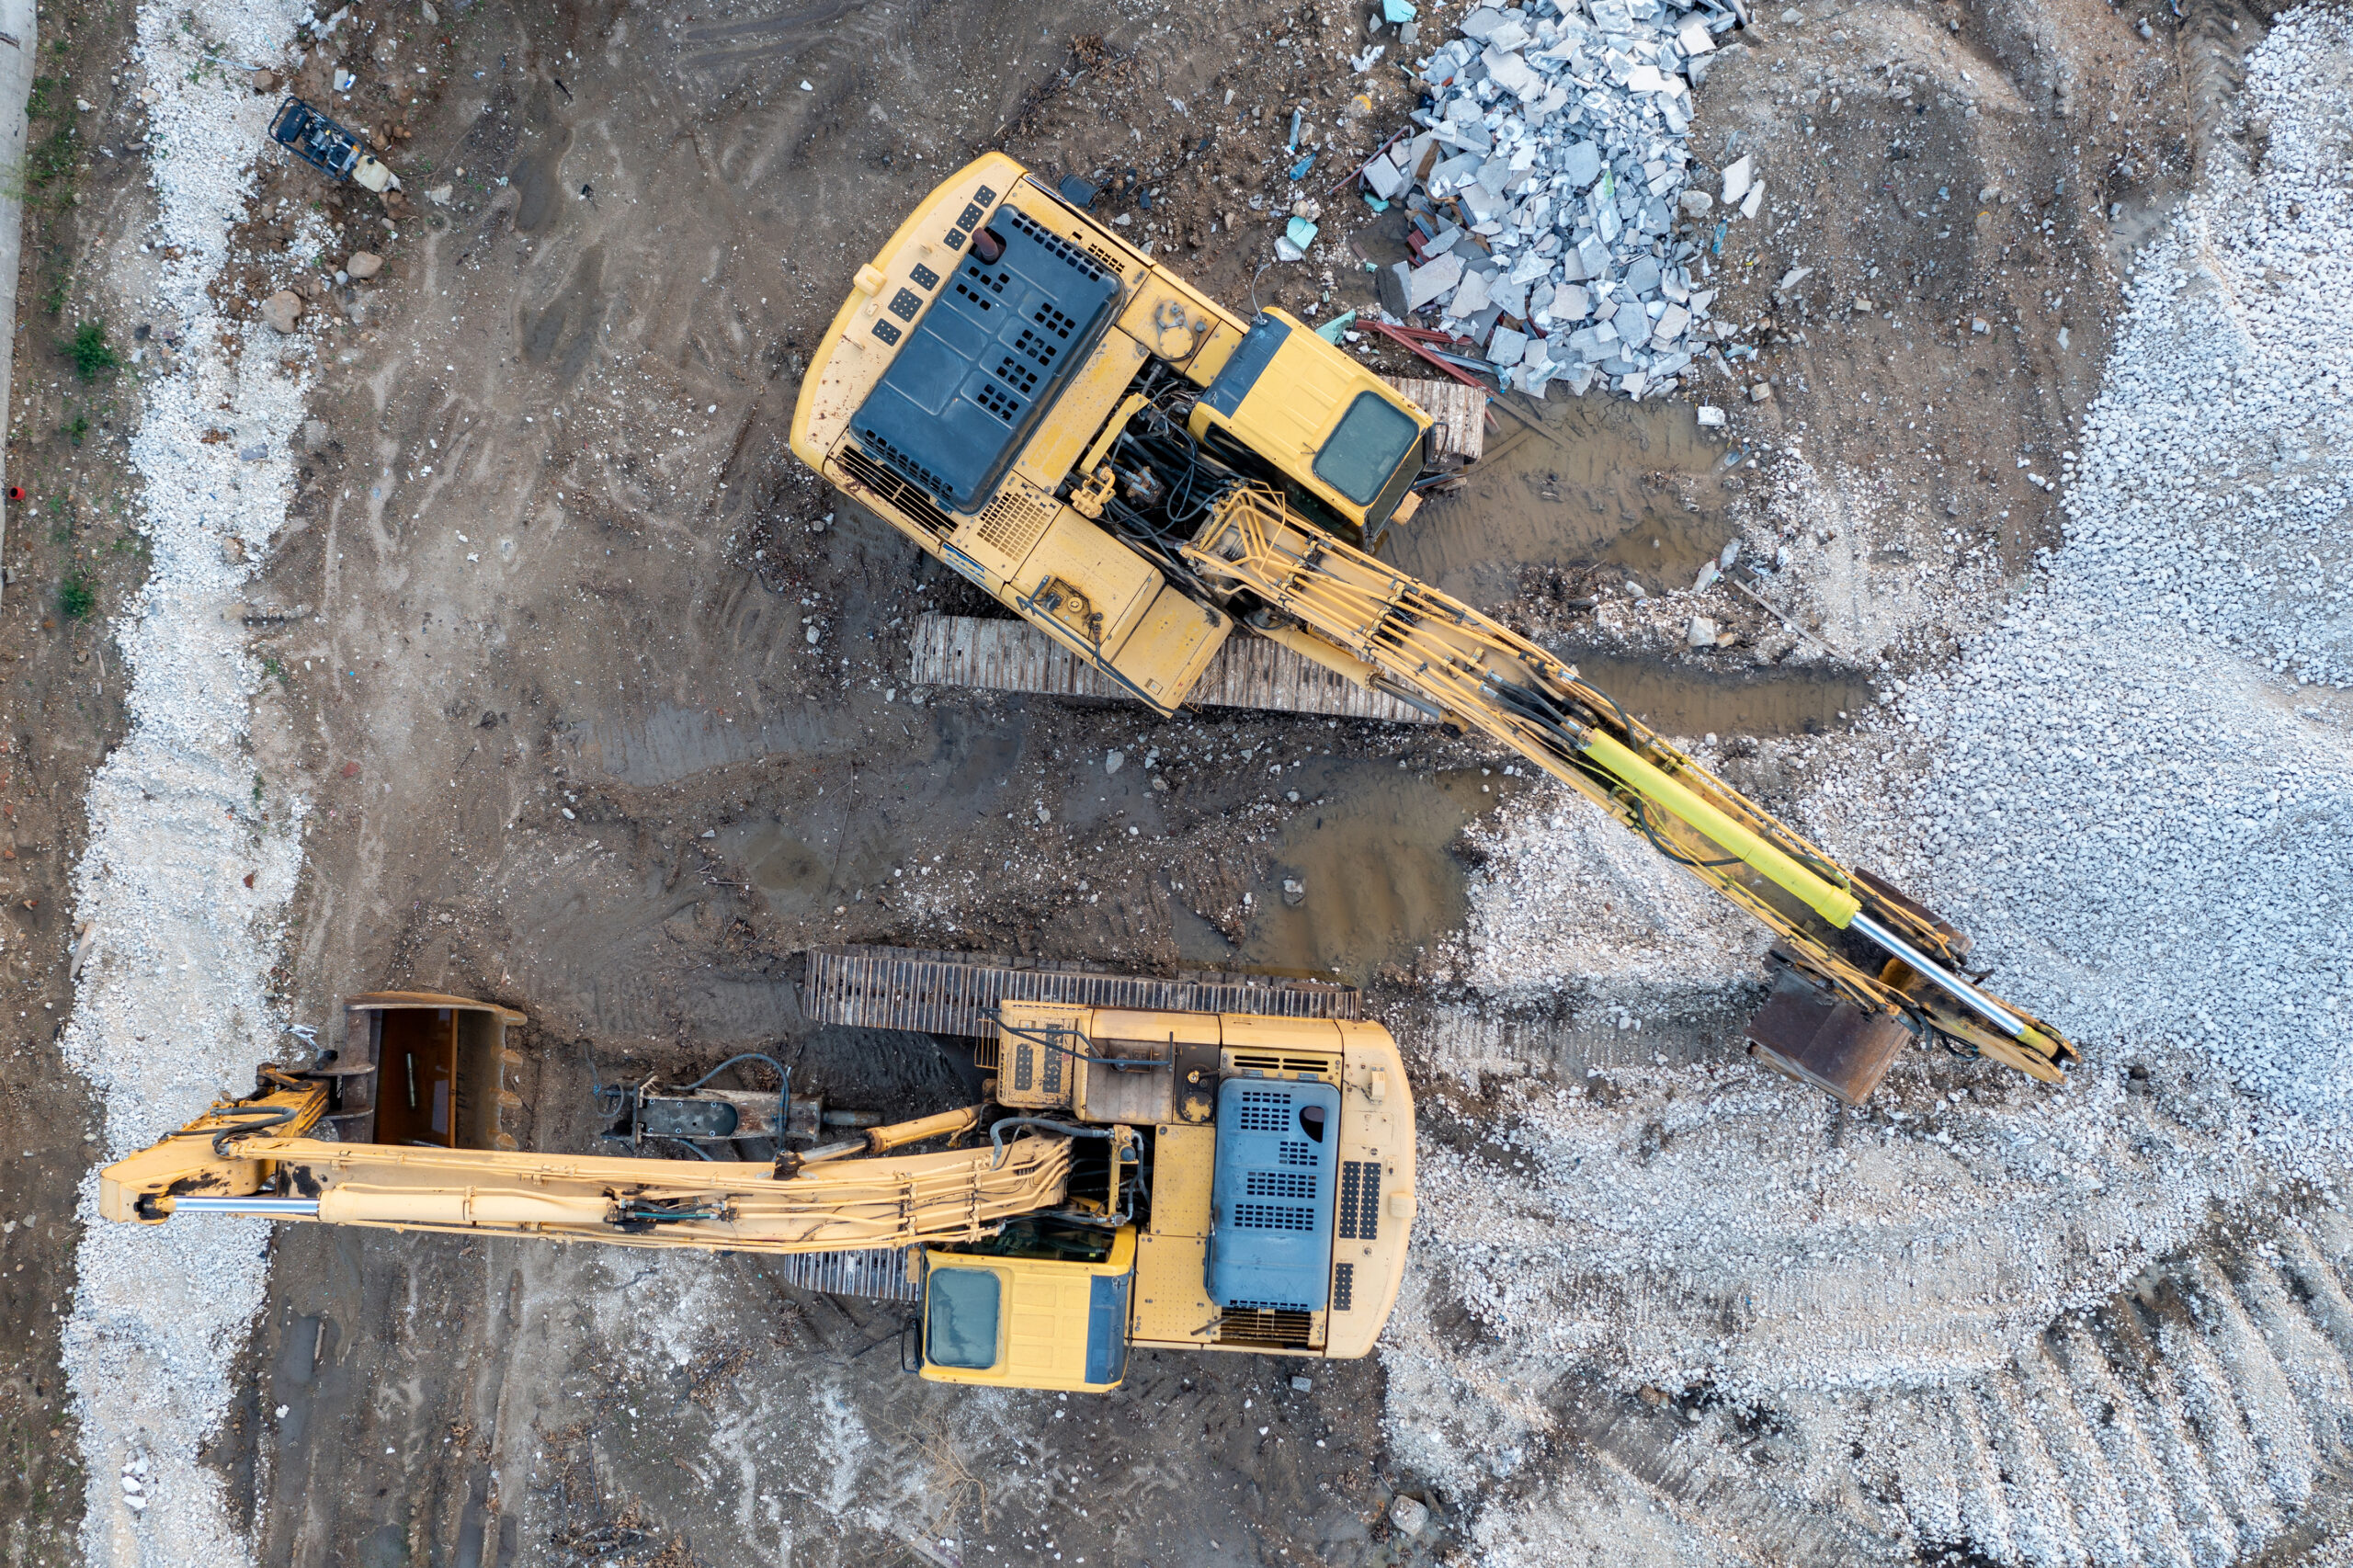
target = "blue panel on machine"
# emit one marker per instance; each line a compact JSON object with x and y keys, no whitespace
{"x":1270,"y":1199}
{"x":994,"y":349}
{"x":1251,"y":357}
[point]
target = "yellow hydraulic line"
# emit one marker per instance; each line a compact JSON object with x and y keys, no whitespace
{"x":1831,"y":902}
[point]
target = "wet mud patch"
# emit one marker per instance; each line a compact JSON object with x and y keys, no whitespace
{"x":802,"y":870}
{"x":1632,"y":485}
{"x":536,"y":175}
{"x":563,"y":333}
{"x":1692,"y":699}
{"x":1367,"y":872}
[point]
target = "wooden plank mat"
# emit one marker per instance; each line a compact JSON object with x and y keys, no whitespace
{"x":942,"y":993}
{"x":1247,"y":672}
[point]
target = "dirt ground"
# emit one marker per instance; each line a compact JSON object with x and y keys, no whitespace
{"x":599,"y":698}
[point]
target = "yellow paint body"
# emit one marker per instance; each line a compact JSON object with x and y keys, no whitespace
{"x":1026,"y":544}
{"x":1046,"y":1322}
{"x":1151,"y":1080}
{"x":1826,"y":899}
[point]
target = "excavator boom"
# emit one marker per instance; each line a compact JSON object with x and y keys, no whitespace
{"x":1141,"y":474}
{"x":1880,"y":952}
{"x":958,"y":1195}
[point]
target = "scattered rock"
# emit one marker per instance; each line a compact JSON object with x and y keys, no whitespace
{"x":440,"y":195}
{"x":1551,"y":162}
{"x":1761,"y":393}
{"x":363,"y":265}
{"x":1294,"y":891}
{"x":264,"y":80}
{"x":1114,"y":760}
{"x":1408,"y":1513}
{"x":282,"y":310}
{"x":1703,"y":632}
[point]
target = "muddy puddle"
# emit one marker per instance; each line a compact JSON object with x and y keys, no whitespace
{"x":1372,"y":855}
{"x":803,"y":869}
{"x":1690,"y":700}
{"x":1595,"y":481}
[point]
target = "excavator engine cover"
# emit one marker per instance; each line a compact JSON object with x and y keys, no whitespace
{"x":1270,"y":1230}
{"x":1814,"y":1035}
{"x":991,"y":354}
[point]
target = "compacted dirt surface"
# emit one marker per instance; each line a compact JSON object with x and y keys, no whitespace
{"x":597,"y":699}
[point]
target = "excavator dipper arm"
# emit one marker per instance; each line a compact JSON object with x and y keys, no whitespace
{"x":1334,"y":603}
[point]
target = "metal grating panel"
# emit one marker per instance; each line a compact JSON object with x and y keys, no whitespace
{"x":941,"y":993}
{"x":1461,"y":412}
{"x":1305,"y":1066}
{"x":1265,"y":1111}
{"x":1274,"y":1217}
{"x":1281,"y":1326}
{"x":1270,"y":1254}
{"x":877,"y":1272}
{"x":1014,"y":520}
{"x":890,"y":489}
{"x":1360,"y":1200}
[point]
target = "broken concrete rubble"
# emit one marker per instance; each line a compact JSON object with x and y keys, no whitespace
{"x":1545,"y":185}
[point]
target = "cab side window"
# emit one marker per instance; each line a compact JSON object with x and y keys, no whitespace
{"x":961,"y":1326}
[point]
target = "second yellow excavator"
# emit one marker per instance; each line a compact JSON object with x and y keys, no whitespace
{"x":1139,"y":473}
{"x":1171,"y":1177}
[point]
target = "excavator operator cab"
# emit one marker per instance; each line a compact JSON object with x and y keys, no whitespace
{"x":1348,"y":443}
{"x":1042,"y":1305}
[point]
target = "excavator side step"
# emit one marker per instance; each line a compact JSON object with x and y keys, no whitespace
{"x":1818,"y":1038}
{"x":941,"y":993}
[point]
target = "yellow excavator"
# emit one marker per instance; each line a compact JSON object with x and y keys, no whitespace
{"x":1140,"y":473}
{"x":1171,"y":1178}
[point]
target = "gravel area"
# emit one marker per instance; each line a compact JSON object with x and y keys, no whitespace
{"x":191,"y":858}
{"x":2133,"y":787}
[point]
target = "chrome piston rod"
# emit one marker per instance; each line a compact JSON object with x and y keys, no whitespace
{"x":1968,"y":996}
{"x":305,"y":1208}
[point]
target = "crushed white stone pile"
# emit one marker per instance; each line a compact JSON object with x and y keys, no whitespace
{"x":2135,"y":791}
{"x":1544,"y":186}
{"x":191,"y":856}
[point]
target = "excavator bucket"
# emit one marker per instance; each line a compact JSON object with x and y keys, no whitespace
{"x":419,"y":1068}
{"x":1819,"y":1038}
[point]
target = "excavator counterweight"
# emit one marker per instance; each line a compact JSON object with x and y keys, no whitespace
{"x":1141,"y":474}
